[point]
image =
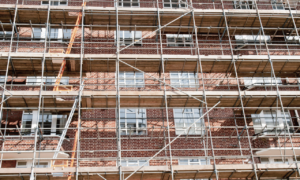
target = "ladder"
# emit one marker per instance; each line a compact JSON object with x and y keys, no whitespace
{"x":64,"y":63}
{"x":62,"y":137}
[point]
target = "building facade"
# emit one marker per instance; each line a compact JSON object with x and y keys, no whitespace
{"x":162,"y":89}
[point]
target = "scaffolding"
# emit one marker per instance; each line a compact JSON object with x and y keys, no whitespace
{"x":242,"y":57}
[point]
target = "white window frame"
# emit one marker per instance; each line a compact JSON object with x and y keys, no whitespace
{"x":191,"y":161}
{"x":137,"y":82}
{"x":294,"y":39}
{"x":121,"y":3}
{"x":24,"y":166}
{"x":196,"y":129}
{"x":29,"y":164}
{"x":260,"y":122}
{"x":243,"y":4}
{"x":172,"y":5}
{"x":2,"y":79}
{"x":135,"y":36}
{"x":130,"y":162}
{"x":53,"y":3}
{"x":36,"y":80}
{"x":261,"y":81}
{"x":179,"y":40}
{"x":59,"y":34}
{"x":277,"y":5}
{"x":272,"y":160}
{"x":125,"y":130}
{"x":252,"y":38}
{"x":182,"y":81}
{"x":35,"y":121}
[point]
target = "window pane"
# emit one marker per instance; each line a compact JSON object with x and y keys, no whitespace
{"x":37,"y":32}
{"x":126,"y":3}
{"x":175,"y":3}
{"x":45,"y":121}
{"x":66,"y":32}
{"x":264,"y":160}
{"x":127,"y":34}
{"x":41,"y":164}
{"x":141,"y":162}
{"x":133,"y":163}
{"x":31,"y":80}
{"x":135,"y":3}
{"x":60,"y":123}
{"x":135,"y":121}
{"x":26,"y":123}
{"x":21,"y":164}
{"x":54,"y":33}
{"x":183,"y":162}
{"x":167,"y":3}
{"x":186,"y":119}
{"x":123,"y":163}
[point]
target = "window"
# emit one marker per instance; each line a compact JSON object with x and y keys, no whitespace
{"x":277,"y":4}
{"x":193,"y":162}
{"x":294,"y":39}
{"x":50,"y":80}
{"x":54,"y":34}
{"x":243,"y":4}
{"x":252,"y":38}
{"x":26,"y":122}
{"x":134,"y":163}
{"x":256,"y":81}
{"x":179,"y":40}
{"x":60,"y":123}
{"x":129,"y":3}
{"x":131,"y":79}
{"x":56,"y":3}
{"x":21,"y":164}
{"x":280,"y":161}
{"x":133,"y":121}
{"x":298,"y":160}
{"x":264,"y":160}
{"x":175,"y":4}
{"x":128,"y":37}
{"x":27,"y":164}
{"x":186,"y":117}
{"x":275,"y":160}
{"x":269,"y":122}
{"x":2,"y":79}
{"x":46,"y":120}
{"x":5,"y":35}
{"x":184,"y":79}
{"x":41,"y":164}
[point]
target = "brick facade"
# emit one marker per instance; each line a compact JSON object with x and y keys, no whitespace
{"x":98,"y":138}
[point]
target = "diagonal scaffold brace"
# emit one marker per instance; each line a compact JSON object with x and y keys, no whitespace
{"x":10,"y":95}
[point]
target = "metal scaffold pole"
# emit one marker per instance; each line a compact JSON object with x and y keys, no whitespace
{"x":204,"y":97}
{"x":286,"y":128}
{"x":165,"y":95}
{"x":6,"y":75}
{"x":118,"y":120}
{"x":80,"y":93}
{"x":32,"y":176}
{"x":240,"y":97}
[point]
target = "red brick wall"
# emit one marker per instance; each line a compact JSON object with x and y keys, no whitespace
{"x":106,"y":142}
{"x":9,"y":164}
